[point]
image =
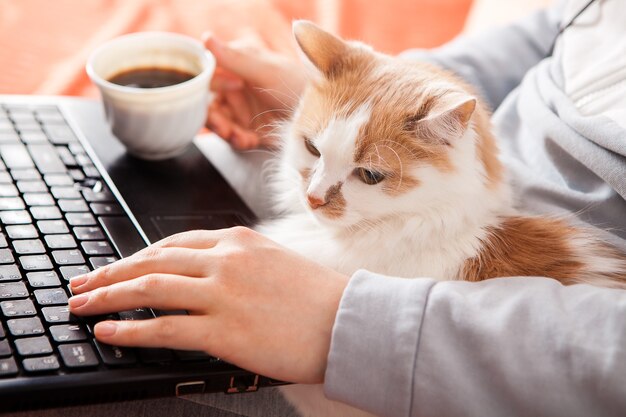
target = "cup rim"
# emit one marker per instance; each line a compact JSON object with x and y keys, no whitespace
{"x":207,"y":58}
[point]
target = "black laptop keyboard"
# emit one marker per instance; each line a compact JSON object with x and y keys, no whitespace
{"x":57,"y":219}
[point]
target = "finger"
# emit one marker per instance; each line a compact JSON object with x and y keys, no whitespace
{"x":178,"y":261}
{"x":173,"y":332}
{"x":244,"y":62}
{"x":218,"y":122}
{"x":223,"y":81}
{"x":160,"y":291}
{"x":244,"y":139}
{"x":237,"y":101}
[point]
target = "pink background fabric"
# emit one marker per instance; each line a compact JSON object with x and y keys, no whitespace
{"x":44,"y":44}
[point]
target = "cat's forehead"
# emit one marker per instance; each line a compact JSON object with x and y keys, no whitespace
{"x":387,"y":95}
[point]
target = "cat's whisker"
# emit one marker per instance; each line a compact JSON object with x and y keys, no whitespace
{"x":269,"y":111}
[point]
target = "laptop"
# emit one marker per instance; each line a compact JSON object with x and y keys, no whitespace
{"x":72,"y":200}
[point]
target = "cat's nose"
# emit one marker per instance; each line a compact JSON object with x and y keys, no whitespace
{"x":315,"y":202}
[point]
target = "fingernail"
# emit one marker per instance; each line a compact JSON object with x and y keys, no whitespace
{"x":78,"y":281}
{"x":78,"y":300}
{"x":105,"y":329}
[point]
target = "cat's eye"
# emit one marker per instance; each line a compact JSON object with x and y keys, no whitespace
{"x":310,"y":147}
{"x":369,"y":177}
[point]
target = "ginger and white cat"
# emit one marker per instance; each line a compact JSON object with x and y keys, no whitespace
{"x":391,"y":166}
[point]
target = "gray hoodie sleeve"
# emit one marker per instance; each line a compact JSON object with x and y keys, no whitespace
{"x":503,"y":347}
{"x":495,"y":61}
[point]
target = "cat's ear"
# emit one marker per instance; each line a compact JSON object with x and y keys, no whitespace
{"x":323,"y":50}
{"x":446,"y":120}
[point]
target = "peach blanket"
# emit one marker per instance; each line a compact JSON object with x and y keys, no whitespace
{"x":44,"y":44}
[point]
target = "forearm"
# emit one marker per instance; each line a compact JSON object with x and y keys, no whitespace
{"x":512,"y":346}
{"x":496,"y":61}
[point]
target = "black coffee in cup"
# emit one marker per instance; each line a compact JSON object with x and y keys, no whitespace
{"x":151,"y":77}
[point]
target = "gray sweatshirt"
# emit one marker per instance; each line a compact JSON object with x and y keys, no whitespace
{"x":517,"y":346}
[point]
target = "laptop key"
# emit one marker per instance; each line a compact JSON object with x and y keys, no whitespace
{"x":5,"y":349}
{"x":115,"y":355}
{"x":57,"y":315}
{"x":6,"y":257}
{"x":65,"y":241}
{"x":89,"y":233}
{"x":68,"y":333}
{"x":9,"y":137}
{"x":41,"y":364}
{"x":5,"y":178}
{"x":2,"y":334}
{"x":76,"y":174}
{"x":37,"y":186}
{"x":60,"y":134}
{"x":11,"y":290}
{"x":25,"y":118}
{"x":98,"y":261}
{"x":3,"y":241}
{"x":28,"y":247}
{"x":11,"y":203}
{"x":81,"y":219}
{"x":76,"y":148}
{"x":91,"y":171}
{"x":33,"y":136}
{"x":30,"y":326}
{"x":25,"y":174}
{"x":103,"y":196}
{"x":51,"y":227}
{"x":38,"y":199}
{"x":18,"y":308}
{"x":43,"y":279}
{"x":58,"y":179}
{"x":15,"y":217}
{"x":65,"y":192}
{"x":26,"y":231}
{"x":97,"y":248}
{"x":10,"y":273}
{"x":8,"y":190}
{"x":35,"y":262}
{"x":16,"y":156}
{"x":69,"y":272}
{"x":8,"y":367}
{"x":78,"y":355}
{"x":66,"y":156}
{"x":30,"y":346}
{"x":46,"y":159}
{"x":83,"y":160}
{"x":73,"y":206}
{"x":46,"y":213}
{"x":50,"y":117}
{"x":68,"y":257}
{"x":51,"y":296}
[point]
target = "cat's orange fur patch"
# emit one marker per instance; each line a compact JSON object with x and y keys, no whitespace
{"x":525,"y":246}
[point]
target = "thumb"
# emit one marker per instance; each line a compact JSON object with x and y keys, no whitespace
{"x":247,"y":63}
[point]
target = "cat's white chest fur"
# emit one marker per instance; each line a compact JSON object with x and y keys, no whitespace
{"x":397,"y":248}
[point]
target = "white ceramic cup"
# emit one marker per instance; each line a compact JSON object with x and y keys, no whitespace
{"x":154,"y":123}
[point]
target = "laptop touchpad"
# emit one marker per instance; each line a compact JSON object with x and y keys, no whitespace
{"x":167,"y":225}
